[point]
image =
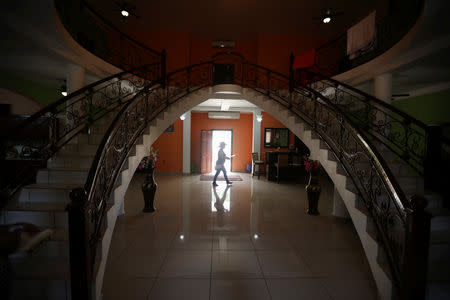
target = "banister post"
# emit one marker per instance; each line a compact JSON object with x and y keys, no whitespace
{"x":163,"y":68}
{"x":417,"y":239}
{"x":80,"y":256}
{"x":291,"y":72}
{"x":433,"y":157}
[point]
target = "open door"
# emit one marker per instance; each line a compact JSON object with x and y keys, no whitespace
{"x":206,"y":151}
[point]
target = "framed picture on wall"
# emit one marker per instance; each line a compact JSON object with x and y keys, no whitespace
{"x":276,"y":137}
{"x":169,"y":129}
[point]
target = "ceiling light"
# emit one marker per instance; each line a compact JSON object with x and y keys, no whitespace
{"x":326,"y":20}
{"x":259,"y":118}
{"x":63,"y":88}
{"x":182,"y":117}
{"x":124,"y":13}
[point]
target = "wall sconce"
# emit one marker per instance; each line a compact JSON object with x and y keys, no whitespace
{"x":63,"y":88}
{"x":182,"y":117}
{"x":259,"y":118}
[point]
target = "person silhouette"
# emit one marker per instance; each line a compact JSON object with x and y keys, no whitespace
{"x":220,"y":164}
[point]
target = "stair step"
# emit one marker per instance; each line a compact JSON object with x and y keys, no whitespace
{"x":438,"y":290}
{"x":38,"y":289}
{"x":93,"y":138}
{"x":46,"y":192}
{"x":44,"y":268}
{"x":439,"y":262}
{"x":83,"y":149}
{"x":47,"y":215}
{"x":70,"y":161}
{"x":62,"y":175}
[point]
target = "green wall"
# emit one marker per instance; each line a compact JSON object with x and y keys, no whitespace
{"x":42,"y":92}
{"x":430,"y":109}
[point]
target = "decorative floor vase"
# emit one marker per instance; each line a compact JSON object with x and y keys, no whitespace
{"x":149,"y":189}
{"x":313,"y":192}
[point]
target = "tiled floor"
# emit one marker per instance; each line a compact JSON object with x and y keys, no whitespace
{"x":258,"y":244}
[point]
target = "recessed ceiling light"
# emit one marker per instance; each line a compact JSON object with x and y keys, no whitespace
{"x":124,"y":13}
{"x":64,"y":94}
{"x":326,"y":20}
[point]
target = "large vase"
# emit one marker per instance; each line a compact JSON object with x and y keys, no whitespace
{"x":149,"y":189}
{"x":313,"y":192}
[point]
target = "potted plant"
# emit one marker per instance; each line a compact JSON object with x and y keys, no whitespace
{"x":148,"y":166}
{"x":313,"y":188}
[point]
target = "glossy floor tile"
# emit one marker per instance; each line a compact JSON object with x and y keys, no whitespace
{"x":252,"y":240}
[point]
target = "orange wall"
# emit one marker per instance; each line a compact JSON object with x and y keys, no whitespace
{"x":268,"y":50}
{"x":270,"y":122}
{"x":170,"y":149}
{"x":242,"y":137}
{"x":170,"y":145}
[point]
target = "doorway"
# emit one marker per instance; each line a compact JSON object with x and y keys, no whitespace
{"x":210,"y":141}
{"x":219,"y":136}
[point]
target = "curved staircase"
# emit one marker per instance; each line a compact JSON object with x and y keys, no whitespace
{"x":80,"y":192}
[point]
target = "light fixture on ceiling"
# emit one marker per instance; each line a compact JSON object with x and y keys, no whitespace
{"x":259,"y":117}
{"x":182,"y":117}
{"x":63,"y":88}
{"x":223,"y":44}
{"x":126,"y":9}
{"x":223,"y":115}
{"x":328,"y":16}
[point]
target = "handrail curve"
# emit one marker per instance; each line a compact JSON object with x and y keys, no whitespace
{"x":373,"y":181}
{"x":62,"y":120}
{"x":102,"y":38}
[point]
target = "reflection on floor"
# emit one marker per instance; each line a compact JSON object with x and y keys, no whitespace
{"x":252,"y":240}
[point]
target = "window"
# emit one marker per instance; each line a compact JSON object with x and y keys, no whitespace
{"x":276,"y":137}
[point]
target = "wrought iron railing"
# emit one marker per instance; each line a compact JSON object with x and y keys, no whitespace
{"x":411,"y":140}
{"x":332,"y":58}
{"x":374,"y":184}
{"x":102,"y":38}
{"x":67,"y":117}
{"x":88,"y":207}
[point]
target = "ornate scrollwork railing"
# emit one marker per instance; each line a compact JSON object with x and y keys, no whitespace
{"x":375,"y":185}
{"x":102,"y":38}
{"x":65,"y":118}
{"x":88,"y":207}
{"x":399,"y":132}
{"x":373,"y":182}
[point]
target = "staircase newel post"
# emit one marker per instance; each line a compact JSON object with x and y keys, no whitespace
{"x":80,"y":256}
{"x":432,"y":165}
{"x":163,"y":68}
{"x":417,"y":239}
{"x":291,"y":72}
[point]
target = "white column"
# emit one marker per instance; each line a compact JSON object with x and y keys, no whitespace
{"x":256,"y":145}
{"x":339,"y":209}
{"x":382,"y":87}
{"x":76,"y":78}
{"x":187,"y":143}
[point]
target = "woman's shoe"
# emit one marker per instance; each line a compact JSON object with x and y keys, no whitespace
{"x":214,"y":184}
{"x":229,"y":183}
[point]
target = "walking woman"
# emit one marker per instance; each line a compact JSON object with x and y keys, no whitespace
{"x":221,"y":157}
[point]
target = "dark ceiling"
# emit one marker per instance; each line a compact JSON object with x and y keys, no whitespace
{"x":239,"y":19}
